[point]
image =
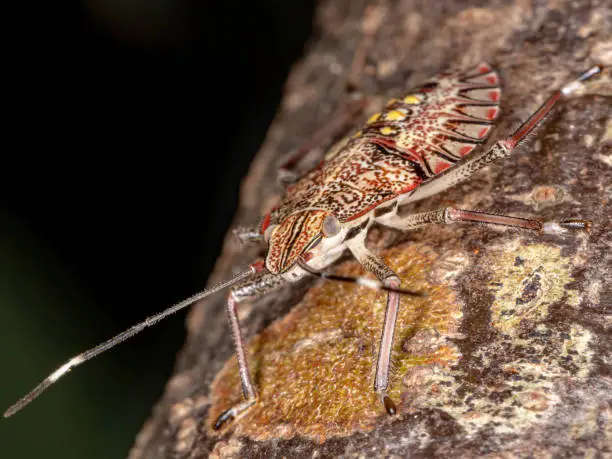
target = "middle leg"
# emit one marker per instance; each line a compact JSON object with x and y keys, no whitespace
{"x":450,"y":215}
{"x":389,"y":279}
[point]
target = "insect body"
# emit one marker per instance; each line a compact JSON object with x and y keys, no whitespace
{"x":418,"y":146}
{"x":410,"y":143}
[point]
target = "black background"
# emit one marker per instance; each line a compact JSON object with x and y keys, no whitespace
{"x":128,"y":127}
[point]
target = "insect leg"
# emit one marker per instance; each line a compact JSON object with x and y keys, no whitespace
{"x":502,"y":148}
{"x":388,"y":277}
{"x":450,"y":215}
{"x":254,"y":288}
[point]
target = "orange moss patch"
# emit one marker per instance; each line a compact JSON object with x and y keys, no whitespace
{"x":314,"y":368}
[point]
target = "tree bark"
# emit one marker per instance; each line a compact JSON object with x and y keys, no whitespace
{"x":510,"y":354}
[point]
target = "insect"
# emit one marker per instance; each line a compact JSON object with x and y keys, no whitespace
{"x":427,"y":141}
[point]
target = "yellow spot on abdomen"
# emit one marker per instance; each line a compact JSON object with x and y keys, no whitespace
{"x":412,"y":100}
{"x":375,"y":117}
{"x":388,"y":131}
{"x":391,"y":102}
{"x":395,"y":115}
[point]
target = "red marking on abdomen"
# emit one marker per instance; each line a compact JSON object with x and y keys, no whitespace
{"x":264,"y":224}
{"x":258,"y":266}
{"x":388,"y":143}
{"x":441,"y":167}
{"x":410,"y":187}
{"x":492,"y":113}
{"x":409,"y":154}
{"x":383,"y":142}
{"x":413,"y":155}
{"x":465,"y":150}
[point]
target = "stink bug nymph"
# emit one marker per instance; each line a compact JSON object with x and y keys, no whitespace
{"x":419,"y":145}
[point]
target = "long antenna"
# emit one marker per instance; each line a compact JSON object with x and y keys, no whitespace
{"x":118,"y":339}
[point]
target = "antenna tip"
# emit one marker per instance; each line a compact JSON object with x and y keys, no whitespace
{"x":11,"y":411}
{"x":590,"y":73}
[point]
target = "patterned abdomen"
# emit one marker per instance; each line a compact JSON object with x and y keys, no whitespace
{"x":413,"y":140}
{"x":441,"y":121}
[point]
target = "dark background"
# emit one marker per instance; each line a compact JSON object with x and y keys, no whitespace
{"x":128,"y":127}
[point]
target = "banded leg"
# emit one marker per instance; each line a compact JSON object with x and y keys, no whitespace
{"x":500,"y":149}
{"x":450,"y":215}
{"x":256,"y":287}
{"x":388,"y":277}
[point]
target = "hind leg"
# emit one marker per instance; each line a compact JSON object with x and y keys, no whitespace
{"x":502,"y":148}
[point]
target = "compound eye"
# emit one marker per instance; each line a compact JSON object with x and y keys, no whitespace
{"x":331,"y":226}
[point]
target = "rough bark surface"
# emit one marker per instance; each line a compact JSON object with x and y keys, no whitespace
{"x":514,"y":357}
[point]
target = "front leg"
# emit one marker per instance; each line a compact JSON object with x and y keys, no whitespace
{"x":263,"y":283}
{"x":388,"y":277}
